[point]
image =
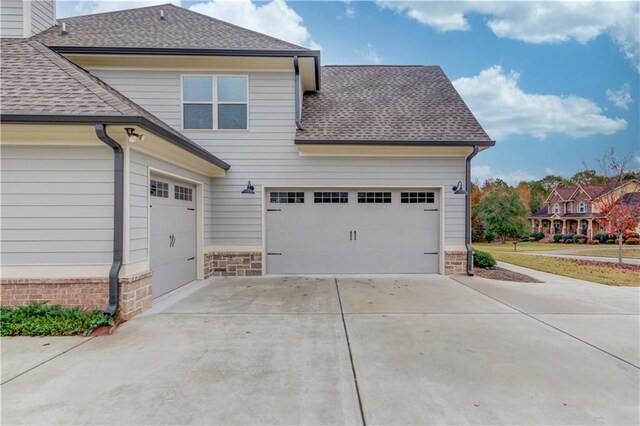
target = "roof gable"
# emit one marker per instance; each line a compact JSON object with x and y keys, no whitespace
{"x":143,"y":28}
{"x":563,"y":193}
{"x":387,"y":104}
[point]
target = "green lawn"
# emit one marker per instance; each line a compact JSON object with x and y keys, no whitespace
{"x":526,"y":247}
{"x":571,"y":268}
{"x":627,"y":253}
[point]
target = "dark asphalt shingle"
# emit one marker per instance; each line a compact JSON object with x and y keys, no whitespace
{"x":142,"y":28}
{"x":387,"y":103}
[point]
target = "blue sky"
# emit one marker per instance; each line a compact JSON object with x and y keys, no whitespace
{"x":555,"y":83}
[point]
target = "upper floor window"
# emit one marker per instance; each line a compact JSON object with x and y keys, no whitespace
{"x":214,"y":102}
{"x":556,"y":208}
{"x":569,"y":207}
{"x":582,"y":207}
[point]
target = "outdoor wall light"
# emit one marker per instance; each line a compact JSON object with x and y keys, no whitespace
{"x":133,"y":136}
{"x":458,"y":189}
{"x":250,"y":189}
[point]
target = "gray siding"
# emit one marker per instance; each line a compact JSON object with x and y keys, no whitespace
{"x":266,"y":155}
{"x":11,"y":18}
{"x":138,"y":225}
{"x":57,"y":205}
{"x":42,"y":15}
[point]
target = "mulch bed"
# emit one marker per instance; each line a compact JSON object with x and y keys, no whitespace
{"x":502,"y":274}
{"x":105,"y":330}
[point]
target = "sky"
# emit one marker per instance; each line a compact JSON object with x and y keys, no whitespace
{"x":555,"y":83}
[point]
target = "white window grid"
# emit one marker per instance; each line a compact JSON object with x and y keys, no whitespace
{"x":214,"y":100}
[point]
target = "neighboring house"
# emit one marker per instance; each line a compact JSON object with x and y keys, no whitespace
{"x":576,"y":210}
{"x":129,"y":139}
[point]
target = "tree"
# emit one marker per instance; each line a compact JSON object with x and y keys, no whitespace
{"x":620,"y":213}
{"x":587,"y":177}
{"x":524,"y":191}
{"x":502,"y":213}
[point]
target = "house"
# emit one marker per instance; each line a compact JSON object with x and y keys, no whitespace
{"x":577,"y":210}
{"x":147,"y":148}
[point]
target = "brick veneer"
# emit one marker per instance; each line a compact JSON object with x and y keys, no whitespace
{"x":81,"y":292}
{"x":455,"y":262}
{"x":135,"y":294}
{"x":232,"y":264}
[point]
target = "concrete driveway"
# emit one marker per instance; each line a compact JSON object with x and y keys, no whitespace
{"x":344,"y":350}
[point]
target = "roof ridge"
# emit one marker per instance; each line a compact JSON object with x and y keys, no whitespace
{"x":380,"y":66}
{"x":114,"y":11}
{"x":229,"y":24}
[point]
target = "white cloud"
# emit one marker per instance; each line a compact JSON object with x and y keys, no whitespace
{"x":482,"y":173}
{"x":504,"y":109}
{"x":369,"y":54}
{"x":349,"y":10}
{"x":621,"y":97}
{"x":274,"y":18}
{"x":549,"y":171}
{"x":536,"y":22}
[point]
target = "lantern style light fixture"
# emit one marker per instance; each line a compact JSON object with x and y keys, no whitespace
{"x":133,"y":136}
{"x":458,"y":189}
{"x":250,"y":189}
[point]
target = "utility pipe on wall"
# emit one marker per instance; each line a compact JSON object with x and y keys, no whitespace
{"x":298,"y":112}
{"x":467,"y":208}
{"x":118,"y":216}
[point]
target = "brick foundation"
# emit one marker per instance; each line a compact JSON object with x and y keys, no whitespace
{"x":135,"y":294}
{"x":232,"y":264}
{"x":455,"y":262}
{"x":81,"y":292}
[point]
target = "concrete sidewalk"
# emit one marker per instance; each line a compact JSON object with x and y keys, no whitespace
{"x":345,"y":350}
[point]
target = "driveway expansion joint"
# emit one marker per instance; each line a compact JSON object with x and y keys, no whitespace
{"x":353,"y":368}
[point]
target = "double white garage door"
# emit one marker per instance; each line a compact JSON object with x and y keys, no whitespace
{"x":352,"y":231}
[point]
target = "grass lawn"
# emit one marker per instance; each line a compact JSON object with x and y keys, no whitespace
{"x":525,"y":247}
{"x":627,"y":253}
{"x":571,"y":268}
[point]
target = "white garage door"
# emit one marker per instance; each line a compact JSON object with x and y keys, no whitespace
{"x":352,"y":231}
{"x":173,"y":234}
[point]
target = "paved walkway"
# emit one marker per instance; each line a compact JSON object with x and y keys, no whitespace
{"x":344,"y":350}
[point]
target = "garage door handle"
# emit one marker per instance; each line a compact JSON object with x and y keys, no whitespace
{"x":350,"y":235}
{"x":172,"y":240}
{"x":355,"y":236}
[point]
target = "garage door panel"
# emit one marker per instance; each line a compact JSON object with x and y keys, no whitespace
{"x":379,"y":234}
{"x":173,"y":235}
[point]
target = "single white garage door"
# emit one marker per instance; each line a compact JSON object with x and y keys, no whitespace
{"x":173,"y":234}
{"x":352,"y":231}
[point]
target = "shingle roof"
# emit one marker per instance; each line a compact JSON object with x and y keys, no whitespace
{"x":543,"y":211}
{"x":387,"y":104}
{"x":632,"y":198}
{"x":35,"y":81}
{"x":565,"y":193}
{"x":142,"y":28}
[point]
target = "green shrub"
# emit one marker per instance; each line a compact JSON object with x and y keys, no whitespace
{"x":489,"y":236}
{"x":633,"y":241}
{"x":557,"y":237}
{"x":532,"y":239}
{"x":611,"y":242}
{"x":538,"y":236}
{"x":580,"y":239}
{"x":568,"y":241}
{"x":39,"y":319}
{"x":482,"y":259}
{"x":524,"y":238}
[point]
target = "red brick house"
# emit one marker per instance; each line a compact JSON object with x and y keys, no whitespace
{"x":576,"y":210}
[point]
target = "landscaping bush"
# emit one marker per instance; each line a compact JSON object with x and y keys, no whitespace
{"x":629,"y":234}
{"x":532,"y":239}
{"x":538,"y":235}
{"x":39,"y":319}
{"x":568,"y":236}
{"x":579,"y":239}
{"x":632,"y":241}
{"x":557,"y":237}
{"x":611,"y":242}
{"x":482,"y":259}
{"x":593,"y":242}
{"x":489,"y":236}
{"x":524,"y":238}
{"x":568,"y":241}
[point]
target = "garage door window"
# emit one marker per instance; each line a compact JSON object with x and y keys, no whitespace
{"x":183,"y":193}
{"x":417,"y":197}
{"x":374,"y":197}
{"x":159,"y":189}
{"x":287,"y":197}
{"x":330,"y":197}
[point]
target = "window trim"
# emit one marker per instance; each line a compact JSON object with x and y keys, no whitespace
{"x":553,"y":209}
{"x":582,"y":207}
{"x":360,"y":200}
{"x":188,"y":192}
{"x":214,"y":103}
{"x":168,"y":190}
